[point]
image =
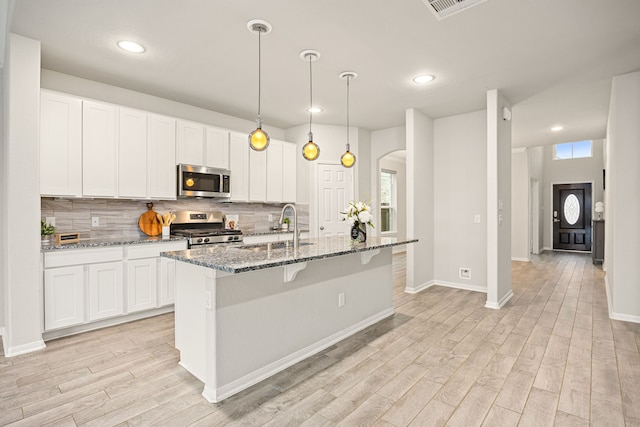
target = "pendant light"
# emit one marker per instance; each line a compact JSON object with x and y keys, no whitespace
{"x":348,"y":159}
{"x":310,"y":151}
{"x":259,"y":139}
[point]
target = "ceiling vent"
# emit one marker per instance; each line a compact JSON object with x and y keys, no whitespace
{"x":445,"y":8}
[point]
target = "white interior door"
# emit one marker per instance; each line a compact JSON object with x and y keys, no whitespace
{"x":335,"y":190}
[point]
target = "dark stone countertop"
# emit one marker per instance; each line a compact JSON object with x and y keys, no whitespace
{"x":239,"y":258}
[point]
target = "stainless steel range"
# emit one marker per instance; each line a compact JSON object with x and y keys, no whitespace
{"x":203,"y":228}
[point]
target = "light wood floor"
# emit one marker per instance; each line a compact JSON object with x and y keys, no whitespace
{"x":550,"y":357}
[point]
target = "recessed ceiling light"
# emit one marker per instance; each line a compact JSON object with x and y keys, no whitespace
{"x":424,"y":78}
{"x":314,"y":110}
{"x":131,"y":46}
{"x":557,"y":128}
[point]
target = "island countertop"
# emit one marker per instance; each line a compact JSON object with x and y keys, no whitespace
{"x":233,"y":258}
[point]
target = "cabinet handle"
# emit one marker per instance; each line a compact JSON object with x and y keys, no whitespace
{"x":322,"y":227}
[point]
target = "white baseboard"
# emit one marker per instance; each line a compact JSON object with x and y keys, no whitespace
{"x":498,"y":305}
{"x":24,"y":348}
{"x":515,"y":258}
{"x":419,"y":288}
{"x":546,"y":249}
{"x":214,"y":395}
{"x":464,"y":286}
{"x":612,"y":314}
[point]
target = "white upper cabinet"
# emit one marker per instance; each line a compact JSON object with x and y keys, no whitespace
{"x":216,"y":148}
{"x":161,"y":155}
{"x":99,"y":148}
{"x":132,"y":153}
{"x":274,"y":171}
{"x":239,"y":166}
{"x":258,"y":175}
{"x":289,"y":159}
{"x":190,"y":143}
{"x":60,"y":145}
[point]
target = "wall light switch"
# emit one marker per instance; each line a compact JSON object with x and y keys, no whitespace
{"x":476,"y":218}
{"x":270,"y":217}
{"x":341,"y":299}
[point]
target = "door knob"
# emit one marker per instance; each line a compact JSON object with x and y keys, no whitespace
{"x":322,"y":227}
{"x":556,"y":220}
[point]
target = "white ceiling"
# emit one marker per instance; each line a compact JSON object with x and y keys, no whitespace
{"x":552,"y":59}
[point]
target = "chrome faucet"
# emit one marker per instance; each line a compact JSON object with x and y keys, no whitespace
{"x":295,"y":224}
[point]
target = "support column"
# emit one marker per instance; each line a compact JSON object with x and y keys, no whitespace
{"x":498,"y":201}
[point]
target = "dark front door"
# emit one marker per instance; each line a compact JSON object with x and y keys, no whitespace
{"x":572,"y":217}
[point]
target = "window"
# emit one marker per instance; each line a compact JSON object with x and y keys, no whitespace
{"x":572,"y":150}
{"x":387,"y":201}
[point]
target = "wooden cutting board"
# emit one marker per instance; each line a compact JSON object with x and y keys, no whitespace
{"x":149,"y":223}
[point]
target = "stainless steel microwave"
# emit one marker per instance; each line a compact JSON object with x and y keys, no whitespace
{"x":202,"y":181}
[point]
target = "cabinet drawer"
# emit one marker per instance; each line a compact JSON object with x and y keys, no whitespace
{"x":81,"y":256}
{"x":151,"y":250}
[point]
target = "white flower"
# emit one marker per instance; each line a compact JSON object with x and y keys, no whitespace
{"x":358,"y":212}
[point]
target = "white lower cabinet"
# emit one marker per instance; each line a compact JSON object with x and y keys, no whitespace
{"x":82,"y":286}
{"x":106,"y":290}
{"x":63,"y":297}
{"x":142,"y":284}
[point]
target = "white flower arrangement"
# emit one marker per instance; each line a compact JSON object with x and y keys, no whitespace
{"x":358,"y":212}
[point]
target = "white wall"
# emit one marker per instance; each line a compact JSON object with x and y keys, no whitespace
{"x":3,"y":190}
{"x":569,"y":171}
{"x":536,"y":173}
{"x":622,"y":206}
{"x":460,"y":193}
{"x":498,"y":202}
{"x":520,"y":205}
{"x":420,"y":184}
{"x":21,"y":278}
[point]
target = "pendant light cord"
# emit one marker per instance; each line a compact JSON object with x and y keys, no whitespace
{"x":310,"y":92}
{"x":348,"y":146}
{"x":259,"y":68}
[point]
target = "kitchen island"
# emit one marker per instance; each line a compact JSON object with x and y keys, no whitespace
{"x":246,"y":312}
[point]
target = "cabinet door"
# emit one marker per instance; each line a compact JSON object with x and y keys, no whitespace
{"x":239,"y":166}
{"x":274,"y":171}
{"x":106,"y":295}
{"x":289,"y":159}
{"x":258,"y":175}
{"x":162,"y":157}
{"x":63,"y":297}
{"x":132,"y":153}
{"x":60,"y":145}
{"x":167,"y":281}
{"x":216,"y":148}
{"x":190,"y":143}
{"x":141,"y":284}
{"x":98,"y":149}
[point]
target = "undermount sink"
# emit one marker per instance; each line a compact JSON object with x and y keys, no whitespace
{"x":271,"y":246}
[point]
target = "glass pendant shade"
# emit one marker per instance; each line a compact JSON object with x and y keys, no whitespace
{"x":348,"y":159}
{"x":259,"y":139}
{"x":310,"y":151}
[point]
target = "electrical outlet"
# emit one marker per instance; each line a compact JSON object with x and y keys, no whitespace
{"x":465,"y":273}
{"x":270,"y":217}
{"x":95,"y":221}
{"x":341,"y":299}
{"x":51,"y":220}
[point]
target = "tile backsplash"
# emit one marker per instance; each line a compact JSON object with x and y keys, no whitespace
{"x":120,"y":217}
